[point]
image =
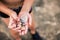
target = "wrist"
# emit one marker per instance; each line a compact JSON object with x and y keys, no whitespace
{"x":11,"y":13}
{"x":23,"y":12}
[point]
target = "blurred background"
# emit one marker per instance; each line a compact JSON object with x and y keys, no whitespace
{"x":47,"y":17}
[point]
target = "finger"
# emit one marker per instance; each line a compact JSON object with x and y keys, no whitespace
{"x":14,"y":15}
{"x":19,"y":32}
{"x":18,"y":28}
{"x":23,"y":33}
{"x":30,"y":19}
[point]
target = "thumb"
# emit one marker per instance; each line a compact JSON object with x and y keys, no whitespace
{"x":14,"y":16}
{"x":30,"y":19}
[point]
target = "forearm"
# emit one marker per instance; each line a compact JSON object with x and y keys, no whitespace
{"x":27,"y":5}
{"x":5,"y":9}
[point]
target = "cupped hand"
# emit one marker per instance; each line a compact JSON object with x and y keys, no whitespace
{"x":26,"y":18}
{"x":21,"y":24}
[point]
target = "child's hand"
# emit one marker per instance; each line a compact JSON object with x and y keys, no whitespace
{"x":17,"y":26}
{"x":13,"y":20}
{"x":27,"y":19}
{"x":25,"y":14}
{"x":12,"y":23}
{"x":21,"y":24}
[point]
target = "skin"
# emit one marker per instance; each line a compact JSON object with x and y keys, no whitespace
{"x":25,"y":8}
